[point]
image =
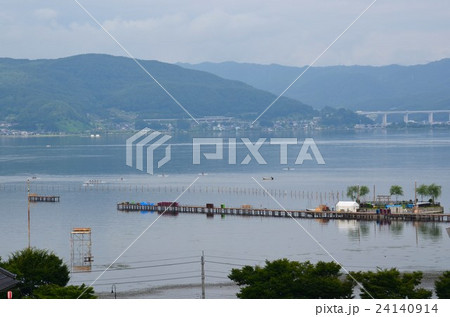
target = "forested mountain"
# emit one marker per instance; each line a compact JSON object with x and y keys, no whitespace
{"x":418,"y":87}
{"x":73,"y":94}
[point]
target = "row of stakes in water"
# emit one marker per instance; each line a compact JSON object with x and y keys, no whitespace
{"x":57,"y":189}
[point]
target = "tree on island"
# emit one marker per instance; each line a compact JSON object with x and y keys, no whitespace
{"x":352,"y":192}
{"x":291,"y":279}
{"x":434,"y":191}
{"x":391,"y":284}
{"x":396,"y":190}
{"x":422,"y":190}
{"x":363,"y":191}
{"x":356,"y":191}
{"x":442,"y":285}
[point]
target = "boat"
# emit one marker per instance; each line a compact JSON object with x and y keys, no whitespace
{"x":269,"y":178}
{"x":92,"y":182}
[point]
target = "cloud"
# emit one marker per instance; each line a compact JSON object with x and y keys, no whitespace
{"x":45,"y":14}
{"x":265,"y":31}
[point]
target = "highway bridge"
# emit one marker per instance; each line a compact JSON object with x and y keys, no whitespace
{"x":405,"y":113}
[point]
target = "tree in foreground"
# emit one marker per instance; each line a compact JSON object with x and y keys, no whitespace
{"x":291,"y":279}
{"x":396,"y":190}
{"x":36,"y":267}
{"x":442,"y":285}
{"x":391,"y":284}
{"x":64,"y":292}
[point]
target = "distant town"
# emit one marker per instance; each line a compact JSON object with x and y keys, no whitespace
{"x":231,"y":124}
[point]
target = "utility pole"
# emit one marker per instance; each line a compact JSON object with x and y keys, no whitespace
{"x":29,"y":216}
{"x":203,"y":274}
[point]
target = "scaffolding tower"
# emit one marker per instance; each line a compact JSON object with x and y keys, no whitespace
{"x":81,"y":253}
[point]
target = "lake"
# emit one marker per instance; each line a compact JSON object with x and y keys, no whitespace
{"x":167,"y":253}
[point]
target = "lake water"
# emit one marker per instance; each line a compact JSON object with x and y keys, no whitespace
{"x":167,"y":254}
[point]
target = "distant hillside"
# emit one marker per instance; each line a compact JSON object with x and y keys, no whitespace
{"x":354,"y":87}
{"x":76,"y":93}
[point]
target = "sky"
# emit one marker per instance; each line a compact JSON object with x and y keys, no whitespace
{"x":286,"y":32}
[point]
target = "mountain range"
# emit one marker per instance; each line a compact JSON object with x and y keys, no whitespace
{"x":91,"y":91}
{"x":75,"y":93}
{"x":393,"y":87}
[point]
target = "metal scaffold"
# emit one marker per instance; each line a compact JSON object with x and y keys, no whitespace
{"x":81,"y":252}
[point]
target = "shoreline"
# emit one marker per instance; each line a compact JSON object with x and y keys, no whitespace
{"x":27,"y":134}
{"x":221,"y":290}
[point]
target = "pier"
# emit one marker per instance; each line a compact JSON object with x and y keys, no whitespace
{"x":34,"y":198}
{"x":262,"y":212}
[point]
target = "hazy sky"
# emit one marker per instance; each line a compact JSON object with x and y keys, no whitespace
{"x":260,"y":31}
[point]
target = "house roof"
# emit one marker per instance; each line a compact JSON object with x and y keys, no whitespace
{"x":7,"y":280}
{"x":347,"y":204}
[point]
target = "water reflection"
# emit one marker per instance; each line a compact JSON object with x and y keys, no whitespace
{"x":355,"y":229}
{"x":397,"y":228}
{"x":421,"y":230}
{"x":432,"y":231}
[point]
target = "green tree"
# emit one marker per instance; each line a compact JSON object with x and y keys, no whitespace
{"x":363,"y":191}
{"x":36,"y":267}
{"x":396,"y":190}
{"x":422,"y":190}
{"x":391,"y":284}
{"x":354,"y":191}
{"x":52,"y":291}
{"x":434,"y":191}
{"x":442,"y":285}
{"x":291,"y":279}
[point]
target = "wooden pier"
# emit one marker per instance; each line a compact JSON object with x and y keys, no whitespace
{"x":35,"y":198}
{"x":261,"y":212}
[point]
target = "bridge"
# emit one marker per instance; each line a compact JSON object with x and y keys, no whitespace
{"x":202,"y":119}
{"x":405,"y":114}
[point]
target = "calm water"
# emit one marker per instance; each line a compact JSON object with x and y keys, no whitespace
{"x":168,"y":253}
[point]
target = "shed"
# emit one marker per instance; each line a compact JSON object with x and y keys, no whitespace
{"x":352,"y":206}
{"x":7,"y":280}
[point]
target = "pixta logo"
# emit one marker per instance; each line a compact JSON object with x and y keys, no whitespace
{"x":253,"y":150}
{"x":150,"y":141}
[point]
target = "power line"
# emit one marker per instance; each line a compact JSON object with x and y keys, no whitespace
{"x":142,"y":267}
{"x":146,"y":281}
{"x":217,"y":271}
{"x":169,"y":259}
{"x":233,"y":258}
{"x":224,"y":263}
{"x":139,"y":276}
{"x":219,"y":277}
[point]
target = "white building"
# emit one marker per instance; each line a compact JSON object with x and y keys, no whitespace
{"x":351,"y":206}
